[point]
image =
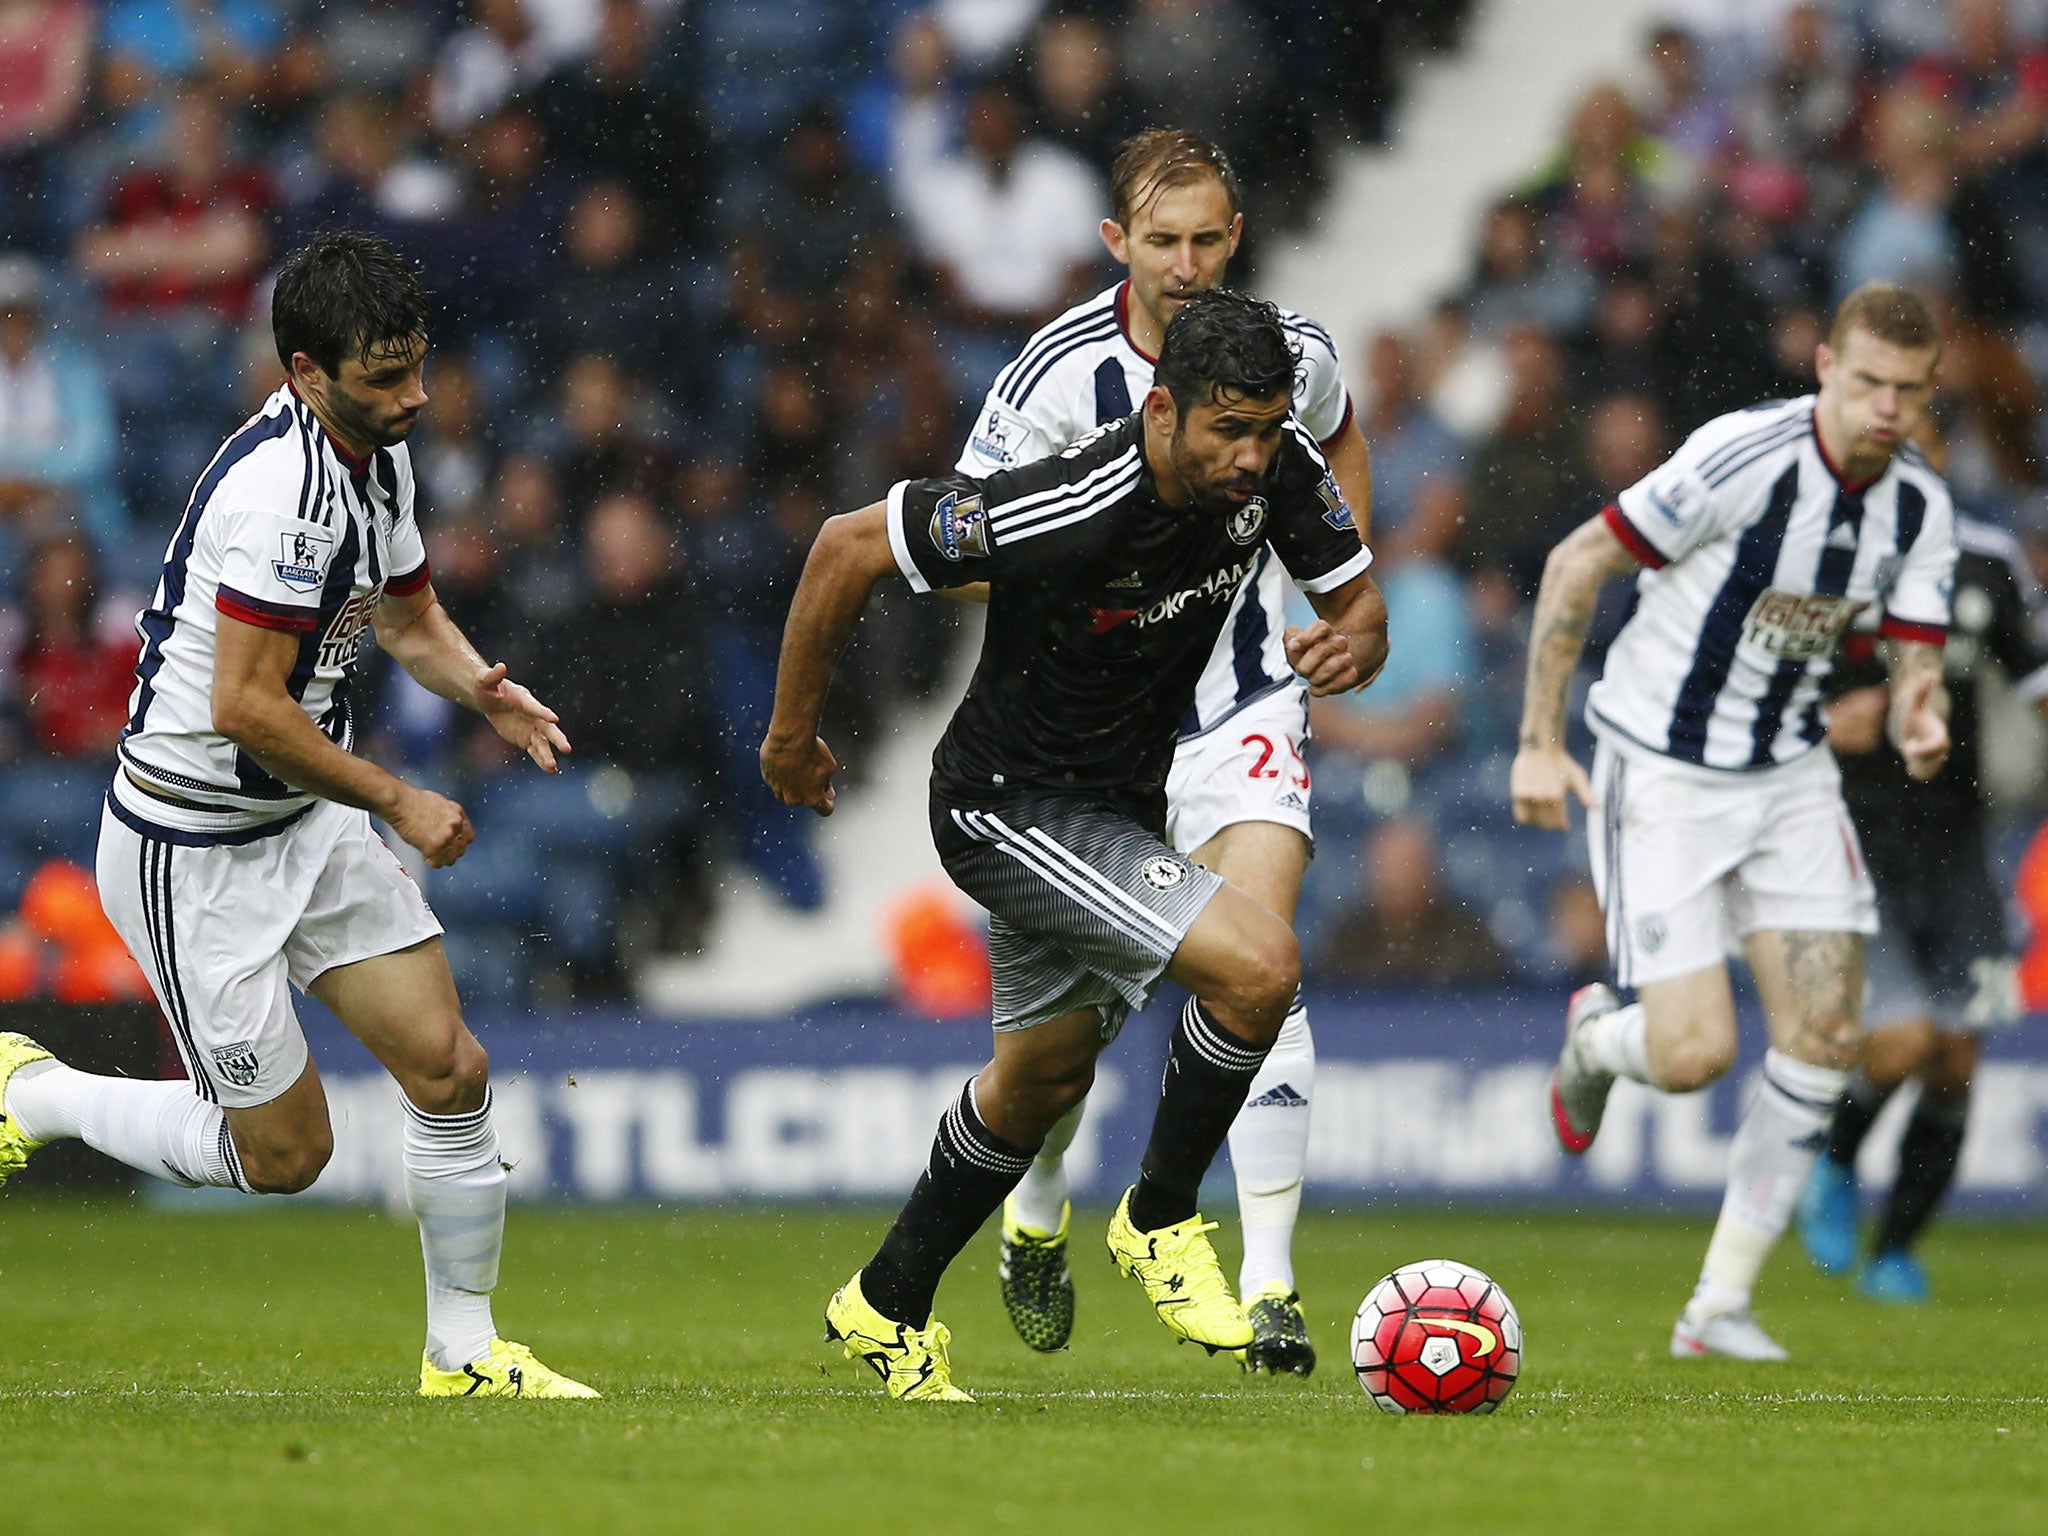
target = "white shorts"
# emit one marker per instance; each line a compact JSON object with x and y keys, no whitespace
{"x":225,"y":931}
{"x":1688,"y":861}
{"x":1248,"y":767}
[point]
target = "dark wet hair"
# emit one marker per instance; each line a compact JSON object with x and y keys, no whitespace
{"x":344,"y":294}
{"x":1225,"y":343}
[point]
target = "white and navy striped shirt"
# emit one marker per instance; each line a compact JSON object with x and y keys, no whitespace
{"x":1083,"y":371}
{"x":286,"y":530}
{"x":1759,"y":557}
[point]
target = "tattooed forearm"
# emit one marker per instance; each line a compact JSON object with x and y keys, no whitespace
{"x":1584,"y":562}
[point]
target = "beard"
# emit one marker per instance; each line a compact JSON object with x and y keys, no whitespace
{"x":1211,"y":494}
{"x":366,"y":424}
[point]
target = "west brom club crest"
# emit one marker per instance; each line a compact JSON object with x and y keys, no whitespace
{"x":237,"y":1062}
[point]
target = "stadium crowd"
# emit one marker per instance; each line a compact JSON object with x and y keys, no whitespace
{"x":708,"y":270}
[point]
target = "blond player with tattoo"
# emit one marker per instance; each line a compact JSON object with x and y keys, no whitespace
{"x":1715,"y":811}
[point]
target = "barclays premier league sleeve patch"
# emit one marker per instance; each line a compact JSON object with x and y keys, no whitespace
{"x":304,"y":566}
{"x":959,"y":527}
{"x":1336,"y":510}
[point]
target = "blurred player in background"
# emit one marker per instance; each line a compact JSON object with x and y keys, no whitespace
{"x":237,"y":859}
{"x":1111,"y":568}
{"x":1717,"y":819}
{"x":1238,"y":797}
{"x":1940,"y":969}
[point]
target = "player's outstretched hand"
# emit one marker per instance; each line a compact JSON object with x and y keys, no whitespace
{"x":434,"y":824}
{"x":1923,"y":734}
{"x":520,"y":718}
{"x":1540,"y":780}
{"x":1321,"y":654}
{"x":800,"y":772}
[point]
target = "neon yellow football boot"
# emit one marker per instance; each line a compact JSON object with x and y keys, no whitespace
{"x":1181,"y":1277}
{"x":509,"y":1370}
{"x":16,"y":1052}
{"x":913,"y":1365}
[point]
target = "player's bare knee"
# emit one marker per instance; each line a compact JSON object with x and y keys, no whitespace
{"x":1951,"y":1064}
{"x":451,"y":1079}
{"x":1255,"y":1000}
{"x":1699,"y":1057}
{"x":287,"y":1170}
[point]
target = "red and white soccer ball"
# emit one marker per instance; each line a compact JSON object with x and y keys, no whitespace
{"x":1437,"y":1337}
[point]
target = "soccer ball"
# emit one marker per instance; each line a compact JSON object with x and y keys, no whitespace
{"x":1437,"y":1337}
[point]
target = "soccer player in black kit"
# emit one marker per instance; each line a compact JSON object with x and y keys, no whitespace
{"x":1110,"y":568}
{"x":1940,"y":971}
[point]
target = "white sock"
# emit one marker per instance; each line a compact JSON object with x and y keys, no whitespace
{"x":455,"y":1185}
{"x":1043,"y":1190}
{"x":1269,"y":1150}
{"x":162,"y":1128}
{"x":1618,"y":1042}
{"x":1782,"y":1131}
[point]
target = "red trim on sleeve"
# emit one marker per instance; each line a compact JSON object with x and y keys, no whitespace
{"x":1906,"y":629}
{"x":409,"y":583}
{"x":1631,"y":540}
{"x":1349,"y":408}
{"x":253,"y":610}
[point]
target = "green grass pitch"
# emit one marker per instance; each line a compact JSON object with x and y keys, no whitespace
{"x":249,"y":1372}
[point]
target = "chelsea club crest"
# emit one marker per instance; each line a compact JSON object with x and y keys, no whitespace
{"x":1248,"y":522}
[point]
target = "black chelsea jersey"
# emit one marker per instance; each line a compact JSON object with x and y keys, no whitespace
{"x":1104,"y":603}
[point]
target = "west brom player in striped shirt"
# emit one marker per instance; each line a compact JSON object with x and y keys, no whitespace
{"x":236,"y":854}
{"x":1238,"y":798}
{"x":1110,"y":569}
{"x":1716,"y":814}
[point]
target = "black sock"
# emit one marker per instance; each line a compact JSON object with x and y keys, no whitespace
{"x":1855,"y":1113}
{"x":1928,"y":1154}
{"x":970,"y":1171}
{"x":1208,"y":1072}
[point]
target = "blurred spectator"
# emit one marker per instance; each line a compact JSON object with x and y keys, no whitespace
{"x":493,"y":55}
{"x":1520,"y":281}
{"x":56,"y":425}
{"x":1410,"y":443}
{"x":610,"y":298}
{"x":1620,"y":351}
{"x":1929,"y":224}
{"x":1796,"y":113}
{"x":816,"y":217}
{"x":1575,"y":938}
{"x":1625,"y":440}
{"x":1078,"y":89}
{"x":496,"y":256}
{"x":1410,"y":715}
{"x":606,"y":437}
{"x":1685,"y":110}
{"x":1462,"y":373}
{"x":1996,"y":84}
{"x":359,"y":175}
{"x":1401,"y":930}
{"x":1529,"y":478}
{"x":984,"y":34}
{"x":183,"y":238}
{"x":1901,"y":234}
{"x":1203,"y":65}
{"x":1008,"y":222}
{"x":452,"y":456}
{"x":619,"y":821}
{"x":610,"y":116}
{"x":45,"y":53}
{"x":224,"y":48}
{"x":69,"y":665}
{"x":1596,"y":198}
{"x":381,"y":47}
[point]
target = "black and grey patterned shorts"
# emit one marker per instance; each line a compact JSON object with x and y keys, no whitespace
{"x":1087,"y":905}
{"x":1940,"y":951}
